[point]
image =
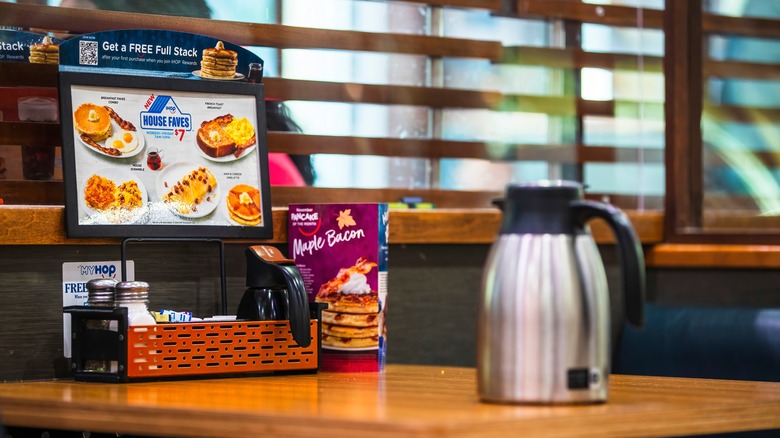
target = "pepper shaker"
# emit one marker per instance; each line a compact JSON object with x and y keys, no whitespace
{"x":134,"y":295}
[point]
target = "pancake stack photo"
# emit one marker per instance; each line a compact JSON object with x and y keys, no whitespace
{"x":219,"y":62}
{"x":352,"y":317}
{"x":243,"y":204}
{"x":93,"y":121}
{"x":350,"y":330}
{"x":45,"y":52}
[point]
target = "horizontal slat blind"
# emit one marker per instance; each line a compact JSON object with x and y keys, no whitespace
{"x":590,"y":13}
{"x":431,"y":96}
{"x":577,"y":58}
{"x":653,"y":19}
{"x":69,"y":21}
{"x":77,"y":21}
{"x":424,"y":148}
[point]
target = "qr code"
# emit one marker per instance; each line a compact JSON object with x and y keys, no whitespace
{"x":88,"y":52}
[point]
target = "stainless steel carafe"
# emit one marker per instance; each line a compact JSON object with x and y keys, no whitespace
{"x":544,"y":317}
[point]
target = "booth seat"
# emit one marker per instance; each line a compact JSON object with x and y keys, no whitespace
{"x":707,"y":342}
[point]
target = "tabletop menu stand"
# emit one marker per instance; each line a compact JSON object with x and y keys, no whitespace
{"x":106,"y":349}
{"x":219,"y":242}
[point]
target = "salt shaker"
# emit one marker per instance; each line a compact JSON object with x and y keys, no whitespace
{"x":134,"y":295}
{"x":101,"y":293}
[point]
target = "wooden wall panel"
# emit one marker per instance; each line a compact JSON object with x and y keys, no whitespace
{"x":45,"y":225}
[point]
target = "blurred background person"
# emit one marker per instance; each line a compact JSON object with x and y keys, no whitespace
{"x":284,"y":169}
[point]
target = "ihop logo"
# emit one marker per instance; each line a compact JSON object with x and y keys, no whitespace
{"x":105,"y":271}
{"x":164,"y":114}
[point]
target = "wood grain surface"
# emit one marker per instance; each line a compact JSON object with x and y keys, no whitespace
{"x":670,"y":255}
{"x":404,"y":401}
{"x":45,"y":225}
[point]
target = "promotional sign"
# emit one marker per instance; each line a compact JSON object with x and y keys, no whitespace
{"x":161,"y":53}
{"x":75,"y":276}
{"x":147,"y":153}
{"x":18,"y":46}
{"x":341,"y":252}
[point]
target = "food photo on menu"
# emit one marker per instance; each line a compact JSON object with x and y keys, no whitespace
{"x":165,"y":158}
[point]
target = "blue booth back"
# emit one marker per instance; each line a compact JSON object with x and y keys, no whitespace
{"x":722,"y":343}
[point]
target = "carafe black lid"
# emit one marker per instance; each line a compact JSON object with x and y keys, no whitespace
{"x":540,"y":207}
{"x":545,"y":191}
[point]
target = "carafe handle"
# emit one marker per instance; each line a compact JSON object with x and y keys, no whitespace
{"x":267,"y":267}
{"x":631,"y":256}
{"x":298,"y":305}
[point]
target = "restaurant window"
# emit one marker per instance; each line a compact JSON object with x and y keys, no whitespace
{"x":460,"y":96}
{"x":545,"y":120}
{"x":356,"y":119}
{"x":654,"y":105}
{"x":732,"y":189}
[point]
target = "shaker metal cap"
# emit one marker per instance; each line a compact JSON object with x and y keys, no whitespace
{"x":101,"y":291}
{"x":101,"y":284}
{"x":132,"y":291}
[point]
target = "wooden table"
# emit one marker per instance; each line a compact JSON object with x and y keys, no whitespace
{"x":404,"y":401}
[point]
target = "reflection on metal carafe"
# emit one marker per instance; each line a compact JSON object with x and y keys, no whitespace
{"x":543,"y":331}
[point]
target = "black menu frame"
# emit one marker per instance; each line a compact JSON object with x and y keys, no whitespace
{"x":210,"y":89}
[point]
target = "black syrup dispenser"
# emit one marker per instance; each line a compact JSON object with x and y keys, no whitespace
{"x":275,"y":291}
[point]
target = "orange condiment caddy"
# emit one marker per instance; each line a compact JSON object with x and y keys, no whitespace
{"x":185,"y":350}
